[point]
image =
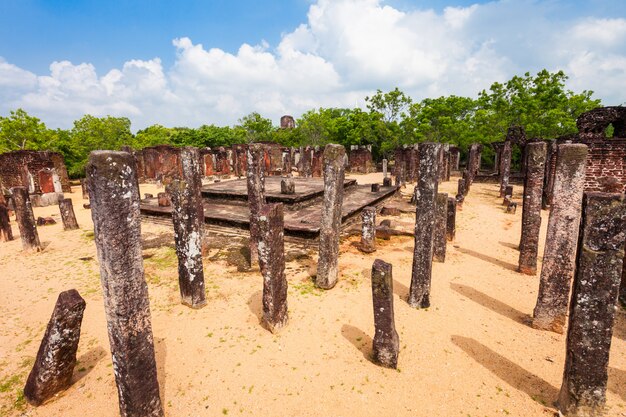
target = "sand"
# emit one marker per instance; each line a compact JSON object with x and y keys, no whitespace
{"x":470,"y":354}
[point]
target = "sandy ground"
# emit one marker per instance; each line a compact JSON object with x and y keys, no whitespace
{"x":470,"y":354}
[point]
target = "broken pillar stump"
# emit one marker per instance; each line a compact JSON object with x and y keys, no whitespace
{"x":467,"y":182}
{"x":386,"y":344}
{"x":592,"y":310}
{"x":508,"y":195}
{"x":45,"y":221}
{"x":385,"y":168}
{"x":6,"y":233}
{"x":390,"y":211}
{"x":164,"y":200}
{"x":188,"y":219}
{"x":368,"y":230}
{"x":375,"y":188}
{"x":439,"y":238}
{"x":460,"y":194}
{"x":287,"y":186}
{"x":67,"y":214}
{"x":56,"y":358}
{"x":25,"y":219}
{"x":272,"y":263}
{"x":148,"y":196}
{"x":114,"y":198}
{"x":419,"y":292}
{"x":511,"y":208}
{"x":531,"y":211}
{"x":255,"y":175}
{"x":387,"y":182}
{"x":330,"y":227}
{"x":559,"y":256}
{"x":451,"y":219}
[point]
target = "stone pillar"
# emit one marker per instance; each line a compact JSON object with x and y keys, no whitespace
{"x":410,"y":172}
{"x":439,"y":238}
{"x":451,"y":219}
{"x":84,"y":188}
{"x":387,"y":182}
{"x":25,"y":220}
{"x":592,"y":311}
{"x":508,"y":195}
{"x":56,"y":358}
{"x":419,"y":293}
{"x":117,"y":226}
{"x":6,"y":233}
{"x":399,"y":166}
{"x":549,"y":179}
{"x":286,"y":168}
{"x":305,"y":161}
{"x":461,"y":192}
{"x":368,"y":230}
{"x":67,"y":214}
{"x":472,"y":162}
{"x":559,"y":255}
{"x":256,"y":195}
{"x":446,"y":161}
{"x":531,"y":214}
{"x":375,"y":188}
{"x":468,"y":182}
{"x":287,"y":186}
{"x":505,"y":166}
{"x":188,"y":219}
{"x":330,"y":227}
{"x":386,"y":344}
{"x":454,"y":158}
{"x":384,"y":168}
{"x":272,"y":263}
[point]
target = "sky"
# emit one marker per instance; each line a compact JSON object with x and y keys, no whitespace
{"x":194,"y":62}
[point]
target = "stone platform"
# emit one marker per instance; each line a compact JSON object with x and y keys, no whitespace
{"x":226,"y":209}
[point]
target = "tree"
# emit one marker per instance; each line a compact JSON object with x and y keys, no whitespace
{"x":255,"y":127}
{"x":21,"y":131}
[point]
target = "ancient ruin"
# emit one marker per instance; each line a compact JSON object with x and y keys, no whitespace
{"x":386,"y":343}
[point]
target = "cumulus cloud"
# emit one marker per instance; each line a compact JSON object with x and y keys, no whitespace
{"x":344,"y":51}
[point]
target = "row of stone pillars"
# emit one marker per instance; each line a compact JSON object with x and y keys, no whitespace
{"x":593,"y":261}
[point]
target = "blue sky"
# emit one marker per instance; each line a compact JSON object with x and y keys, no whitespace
{"x":194,"y":62}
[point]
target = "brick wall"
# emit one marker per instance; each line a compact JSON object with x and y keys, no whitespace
{"x":360,"y":159}
{"x":16,"y":166}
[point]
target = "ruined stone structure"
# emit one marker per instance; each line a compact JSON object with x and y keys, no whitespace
{"x":25,"y":220}
{"x":334,"y":172}
{"x":56,"y":358}
{"x":188,"y":220}
{"x":592,"y":311}
{"x":368,"y":230}
{"x":559,"y":254}
{"x":531,"y":215}
{"x":271,"y":255}
{"x":67,"y":214}
{"x":287,"y":122}
{"x":41,"y":172}
{"x":360,"y":159}
{"x":419,"y":292}
{"x":114,"y":199}
{"x":256,"y":195}
{"x":386,"y":343}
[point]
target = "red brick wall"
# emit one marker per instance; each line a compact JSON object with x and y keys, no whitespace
{"x":605,"y":160}
{"x":14,"y":165}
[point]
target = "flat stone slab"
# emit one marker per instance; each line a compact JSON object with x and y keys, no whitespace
{"x":302,"y":223}
{"x":306,"y":189}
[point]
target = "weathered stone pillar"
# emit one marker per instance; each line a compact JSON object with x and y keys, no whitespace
{"x":531,"y":214}
{"x":505,"y":166}
{"x":25,"y":220}
{"x":330,"y":227}
{"x":84,"y":188}
{"x":451,"y":219}
{"x":439,"y":238}
{"x":411,"y":163}
{"x":67,"y":214}
{"x":387,"y":182}
{"x":386,"y":344}
{"x":272,"y":264}
{"x":117,"y":226}
{"x":419,"y":293}
{"x":468,"y":182}
{"x":256,"y":194}
{"x":56,"y":358}
{"x":454,"y":158}
{"x":368,"y":230}
{"x":399,"y":166}
{"x":461,"y":192}
{"x":375,"y":188}
{"x":473,"y":162}
{"x":6,"y":233}
{"x":592,"y":311}
{"x":188,"y":219}
{"x":384,"y":168}
{"x":305,"y":161}
{"x":287,"y":186}
{"x":559,"y":255}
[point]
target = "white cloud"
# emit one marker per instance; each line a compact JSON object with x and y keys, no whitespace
{"x":344,"y":51}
